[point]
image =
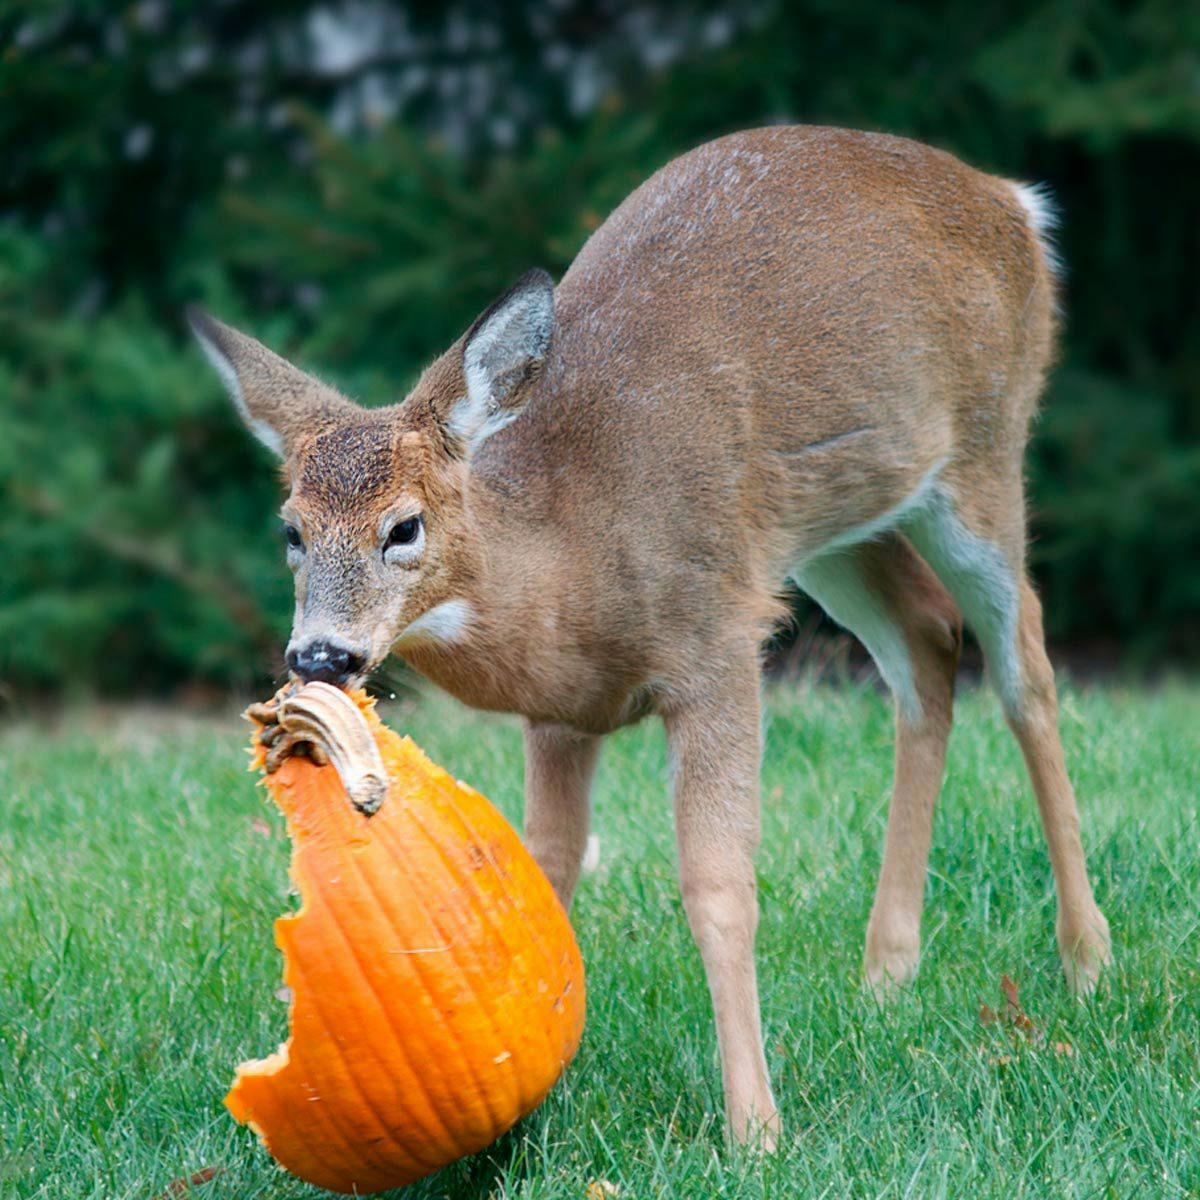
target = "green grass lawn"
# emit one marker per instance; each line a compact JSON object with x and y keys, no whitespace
{"x":138,"y":884}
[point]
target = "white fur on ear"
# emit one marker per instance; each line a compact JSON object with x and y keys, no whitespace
{"x":207,"y":331}
{"x":504,"y":344}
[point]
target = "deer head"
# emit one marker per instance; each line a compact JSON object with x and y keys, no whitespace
{"x":377,"y":526}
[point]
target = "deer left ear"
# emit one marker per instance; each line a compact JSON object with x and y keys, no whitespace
{"x":502,"y":351}
{"x":278,"y":401}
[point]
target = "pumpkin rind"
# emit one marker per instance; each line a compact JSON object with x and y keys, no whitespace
{"x":437,"y":989}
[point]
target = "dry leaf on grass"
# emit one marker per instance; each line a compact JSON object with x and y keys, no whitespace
{"x":1017,"y":1016}
{"x":601,"y":1189}
{"x":1013,"y":1017}
{"x":182,"y":1185}
{"x":1017,"y":1023}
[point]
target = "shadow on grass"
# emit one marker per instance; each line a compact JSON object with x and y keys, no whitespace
{"x":476,"y":1176}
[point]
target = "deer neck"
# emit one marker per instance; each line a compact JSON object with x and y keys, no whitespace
{"x":496,"y":640}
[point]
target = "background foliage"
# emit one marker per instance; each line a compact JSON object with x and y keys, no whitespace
{"x":352,"y":182}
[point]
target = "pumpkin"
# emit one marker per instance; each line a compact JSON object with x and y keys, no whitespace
{"x":437,"y":990}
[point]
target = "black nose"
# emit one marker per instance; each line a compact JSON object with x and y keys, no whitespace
{"x":328,"y":662}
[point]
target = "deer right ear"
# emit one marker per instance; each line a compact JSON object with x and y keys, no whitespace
{"x":501,"y":352}
{"x":276,"y":400}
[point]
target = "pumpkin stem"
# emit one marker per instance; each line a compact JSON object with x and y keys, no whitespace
{"x":325,"y":715}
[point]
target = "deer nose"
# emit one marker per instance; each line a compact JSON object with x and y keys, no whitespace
{"x":328,"y":662}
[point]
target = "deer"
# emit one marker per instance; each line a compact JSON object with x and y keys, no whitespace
{"x":795,"y":354}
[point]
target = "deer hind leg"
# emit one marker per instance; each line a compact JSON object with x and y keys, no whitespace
{"x":980,"y":555}
{"x":892,"y":602}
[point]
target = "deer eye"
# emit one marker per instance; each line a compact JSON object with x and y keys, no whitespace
{"x":291,"y":535}
{"x":404,"y":533}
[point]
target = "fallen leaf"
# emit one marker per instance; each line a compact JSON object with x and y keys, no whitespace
{"x":182,"y":1185}
{"x":1013,"y":1011}
{"x":1017,"y":1023}
{"x":598,"y":1189}
{"x":1014,"y":1017}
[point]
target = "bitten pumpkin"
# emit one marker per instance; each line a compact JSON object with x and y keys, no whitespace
{"x":437,"y":990}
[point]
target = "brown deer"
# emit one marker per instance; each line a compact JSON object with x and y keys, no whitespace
{"x":795,"y":353}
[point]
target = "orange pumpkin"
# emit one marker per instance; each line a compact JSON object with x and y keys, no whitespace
{"x":437,"y":990}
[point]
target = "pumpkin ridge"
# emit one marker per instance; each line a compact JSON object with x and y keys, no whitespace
{"x":347,"y":1140}
{"x":451,"y":943}
{"x":420,"y":1086}
{"x":487,"y":913}
{"x":407,"y":1153}
{"x":433,"y":937}
{"x":505,"y":889}
{"x":404,"y":755}
{"x":383,"y":832}
{"x":448,"y":788}
{"x":448,"y":791}
{"x":505,"y":895}
{"x":307,"y":882}
{"x":279,"y":1112}
{"x":289,"y":1065}
{"x":308,"y":885}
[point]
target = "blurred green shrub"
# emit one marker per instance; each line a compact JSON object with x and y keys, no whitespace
{"x":135,"y":519}
{"x":161,"y":153}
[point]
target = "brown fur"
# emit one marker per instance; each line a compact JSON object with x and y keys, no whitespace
{"x":766,"y":352}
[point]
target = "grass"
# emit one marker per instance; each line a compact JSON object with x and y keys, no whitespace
{"x":138,"y":883}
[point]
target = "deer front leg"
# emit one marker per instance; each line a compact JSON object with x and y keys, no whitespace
{"x":559,"y":765}
{"x":715,"y":746}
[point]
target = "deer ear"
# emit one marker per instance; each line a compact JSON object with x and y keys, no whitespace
{"x":503,"y":350}
{"x":276,"y":400}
